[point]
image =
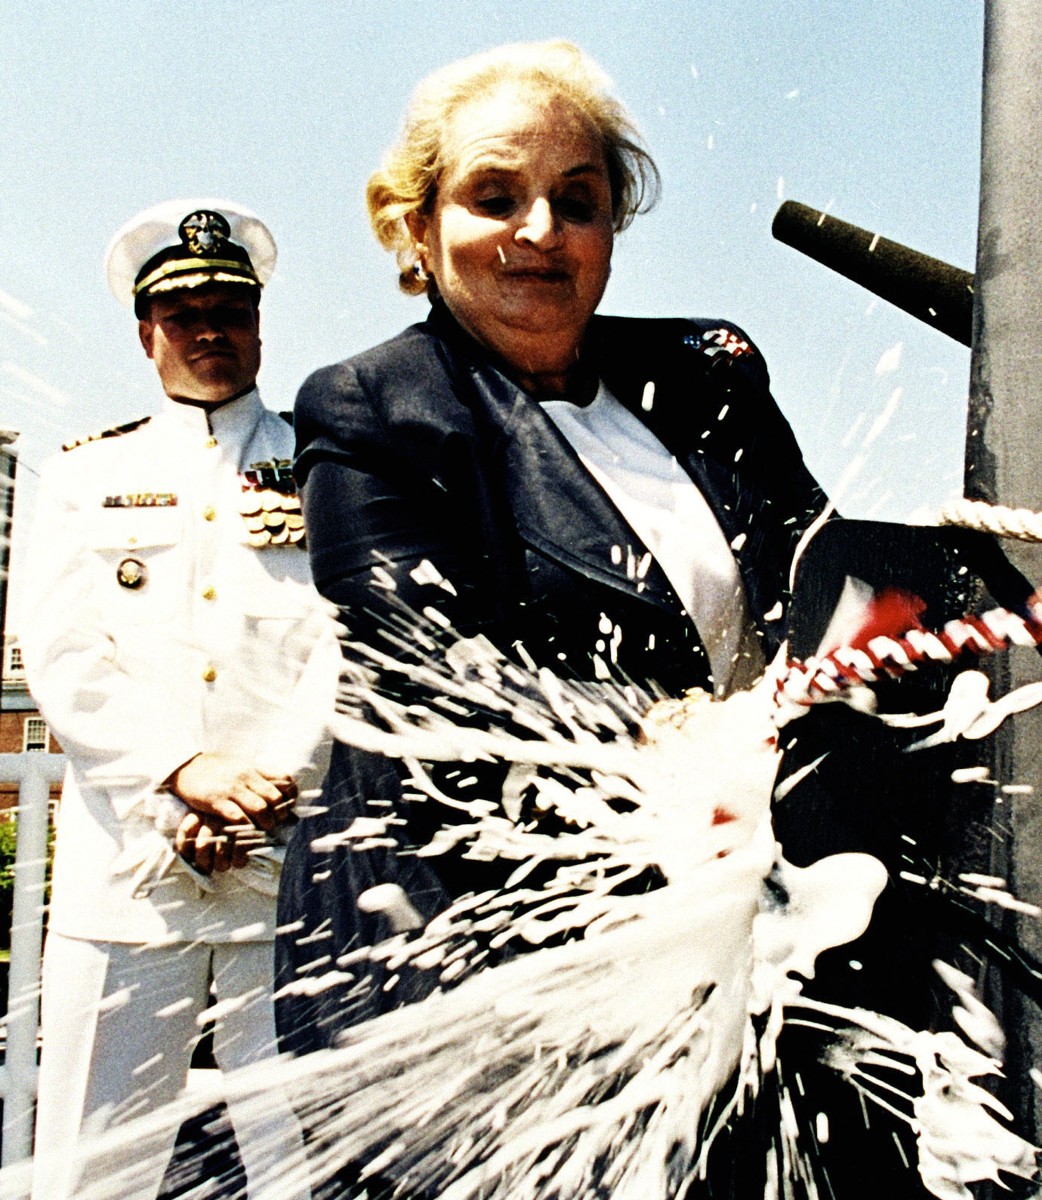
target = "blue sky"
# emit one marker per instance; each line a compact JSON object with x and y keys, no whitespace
{"x":871,"y":110}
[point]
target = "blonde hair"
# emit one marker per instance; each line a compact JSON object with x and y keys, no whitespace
{"x":408,"y":180}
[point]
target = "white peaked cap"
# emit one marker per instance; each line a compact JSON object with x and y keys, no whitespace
{"x":186,"y":243}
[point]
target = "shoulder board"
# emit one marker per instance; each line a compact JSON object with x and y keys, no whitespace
{"x":114,"y":431}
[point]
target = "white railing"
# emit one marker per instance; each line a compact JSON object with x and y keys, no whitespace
{"x":34,"y":773}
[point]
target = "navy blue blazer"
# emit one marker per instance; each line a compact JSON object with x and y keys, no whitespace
{"x":422,"y":449}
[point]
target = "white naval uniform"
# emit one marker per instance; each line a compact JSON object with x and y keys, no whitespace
{"x":223,"y":647}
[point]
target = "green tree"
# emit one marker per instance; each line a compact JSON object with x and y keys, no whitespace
{"x":8,"y":844}
{"x":8,"y":840}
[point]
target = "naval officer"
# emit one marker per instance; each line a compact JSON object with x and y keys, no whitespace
{"x":177,"y":648}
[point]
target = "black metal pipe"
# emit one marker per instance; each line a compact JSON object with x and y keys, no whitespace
{"x":927,"y":288}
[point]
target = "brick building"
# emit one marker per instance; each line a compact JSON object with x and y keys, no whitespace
{"x":22,"y":729}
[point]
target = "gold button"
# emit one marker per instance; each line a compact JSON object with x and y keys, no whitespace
{"x":209,"y":593}
{"x":209,"y":513}
{"x":211,"y":442}
{"x":209,"y":673}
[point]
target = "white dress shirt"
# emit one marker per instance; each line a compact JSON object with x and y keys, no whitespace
{"x":662,"y":505}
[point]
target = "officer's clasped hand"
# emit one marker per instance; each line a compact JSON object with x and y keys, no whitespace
{"x":238,"y":793}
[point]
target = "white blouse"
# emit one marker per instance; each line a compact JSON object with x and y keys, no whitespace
{"x":666,"y":510}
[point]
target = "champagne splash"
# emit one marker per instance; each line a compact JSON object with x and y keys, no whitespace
{"x":610,"y":1061}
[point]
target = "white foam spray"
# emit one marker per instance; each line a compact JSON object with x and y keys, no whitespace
{"x":606,"y":1064}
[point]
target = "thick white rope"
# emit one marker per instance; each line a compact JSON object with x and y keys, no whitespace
{"x":1020,"y":523}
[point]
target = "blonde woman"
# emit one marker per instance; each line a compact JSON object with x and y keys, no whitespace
{"x":620,"y":497}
